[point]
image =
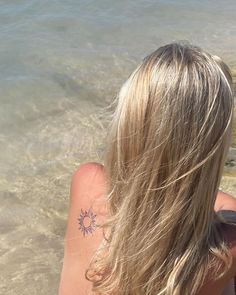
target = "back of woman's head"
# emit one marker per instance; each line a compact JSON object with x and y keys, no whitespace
{"x":168,"y":141}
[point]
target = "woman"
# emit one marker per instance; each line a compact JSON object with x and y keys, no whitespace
{"x":146,"y":222}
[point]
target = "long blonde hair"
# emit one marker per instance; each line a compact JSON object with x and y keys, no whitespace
{"x":168,"y":140}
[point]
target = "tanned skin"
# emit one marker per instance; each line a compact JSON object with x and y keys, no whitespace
{"x":83,"y":236}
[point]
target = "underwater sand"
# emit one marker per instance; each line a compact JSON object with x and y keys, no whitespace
{"x":62,"y":62}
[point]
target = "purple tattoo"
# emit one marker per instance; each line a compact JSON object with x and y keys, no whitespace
{"x":87,"y":221}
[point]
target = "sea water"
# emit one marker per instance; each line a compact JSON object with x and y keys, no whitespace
{"x":62,"y":63}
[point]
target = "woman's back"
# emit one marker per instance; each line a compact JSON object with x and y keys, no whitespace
{"x":227,"y":284}
{"x":165,"y":153}
{"x":88,"y":187}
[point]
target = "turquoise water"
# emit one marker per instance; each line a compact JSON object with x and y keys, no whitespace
{"x":61,"y":63}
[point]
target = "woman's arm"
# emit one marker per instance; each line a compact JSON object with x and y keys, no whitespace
{"x":82,"y":236}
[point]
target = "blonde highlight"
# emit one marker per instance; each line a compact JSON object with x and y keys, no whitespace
{"x":168,"y":141}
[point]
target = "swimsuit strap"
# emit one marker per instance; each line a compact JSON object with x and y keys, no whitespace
{"x":228,"y":215}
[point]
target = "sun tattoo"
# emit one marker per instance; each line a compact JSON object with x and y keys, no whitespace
{"x":87,"y":221}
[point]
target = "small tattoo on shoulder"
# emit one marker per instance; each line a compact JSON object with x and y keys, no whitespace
{"x":86,"y":220}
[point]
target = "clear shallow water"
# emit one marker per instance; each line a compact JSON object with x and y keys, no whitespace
{"x":61,"y":63}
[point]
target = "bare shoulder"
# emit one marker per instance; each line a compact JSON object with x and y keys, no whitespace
{"x":83,"y":235}
{"x":88,"y":182}
{"x":225,"y":201}
{"x":87,"y":192}
{"x":91,"y":171}
{"x":88,"y":168}
{"x":224,"y":285}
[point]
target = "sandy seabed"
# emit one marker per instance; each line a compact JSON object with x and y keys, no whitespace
{"x":35,"y":194}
